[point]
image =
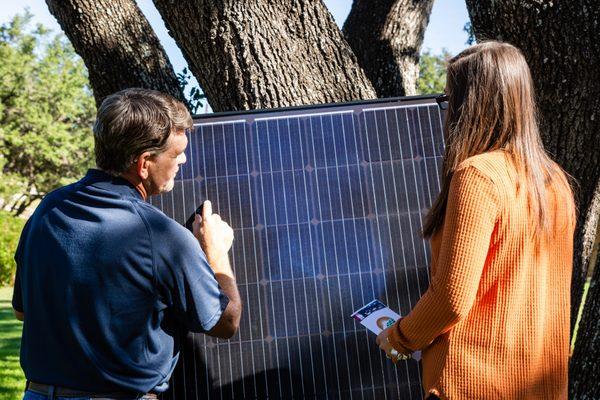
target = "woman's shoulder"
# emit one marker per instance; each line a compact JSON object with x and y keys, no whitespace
{"x":493,"y":164}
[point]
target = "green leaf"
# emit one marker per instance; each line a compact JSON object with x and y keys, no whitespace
{"x":46,"y":112}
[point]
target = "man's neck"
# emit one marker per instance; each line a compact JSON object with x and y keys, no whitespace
{"x":136,"y":181}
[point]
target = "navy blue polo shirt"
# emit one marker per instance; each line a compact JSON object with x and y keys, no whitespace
{"x":105,"y":280}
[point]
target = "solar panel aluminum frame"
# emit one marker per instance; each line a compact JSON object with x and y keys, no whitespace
{"x":326,"y":203}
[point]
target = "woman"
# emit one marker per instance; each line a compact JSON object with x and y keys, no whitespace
{"x":494,"y":322}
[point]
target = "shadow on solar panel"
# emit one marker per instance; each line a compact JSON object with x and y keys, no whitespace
{"x":327,"y":204}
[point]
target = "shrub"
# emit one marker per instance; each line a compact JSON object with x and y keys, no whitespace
{"x":10,"y":230}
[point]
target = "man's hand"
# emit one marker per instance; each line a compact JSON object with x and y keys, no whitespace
{"x":19,"y":315}
{"x":216,"y":238}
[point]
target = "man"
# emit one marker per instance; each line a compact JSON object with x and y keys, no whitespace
{"x":104,"y":279}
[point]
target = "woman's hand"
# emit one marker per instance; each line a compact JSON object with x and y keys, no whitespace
{"x":386,"y":346}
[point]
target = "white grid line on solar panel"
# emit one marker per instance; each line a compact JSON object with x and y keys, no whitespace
{"x":307,"y":314}
{"x":354,"y":163}
{"x":304,"y":180}
{"x":236,"y":121}
{"x":392,"y":247}
{"x":352,"y":301}
{"x":415,"y":268}
{"x":191,"y":146}
{"x":315,"y":169}
{"x":415,"y":183}
{"x":374,"y":198}
{"x":419,"y":206}
{"x":433,"y":147}
{"x":441,"y":125}
{"x":257,"y":272}
{"x":293,"y":116}
{"x":343,"y":111}
{"x":233,"y":259}
{"x":416,"y":159}
{"x":173,"y":216}
{"x":215,"y":165}
{"x":247,"y":307}
{"x":305,"y":177}
{"x":387,"y":208}
{"x":425,"y":169}
{"x":431,"y":198}
{"x":182,"y":357}
{"x":334,"y":242}
{"x":337,"y":333}
{"x":292,"y":270}
{"x":398,"y":207}
{"x":387,"y":205}
{"x":390,"y":234}
{"x":412,"y":155}
{"x":398,"y":107}
{"x":355,"y":306}
{"x":418,"y":203}
{"x":343,"y":219}
{"x":312,"y":256}
{"x":272,"y":299}
{"x":334,"y":167}
{"x":375,"y":387}
{"x":278,"y":247}
{"x":206,"y":355}
{"x":437,"y":175}
{"x":195,"y":367}
{"x":428,"y":184}
{"x":337,"y":374}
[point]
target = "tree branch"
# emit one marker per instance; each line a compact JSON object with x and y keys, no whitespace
{"x":264,"y":54}
{"x":386,"y":36}
{"x":560,"y":42}
{"x":117,"y":44}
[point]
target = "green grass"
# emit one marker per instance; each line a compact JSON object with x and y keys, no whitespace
{"x":12,"y":380}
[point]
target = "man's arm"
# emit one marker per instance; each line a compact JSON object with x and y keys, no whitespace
{"x":229,"y":322}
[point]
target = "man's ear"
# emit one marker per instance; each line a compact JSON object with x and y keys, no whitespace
{"x":142,"y":164}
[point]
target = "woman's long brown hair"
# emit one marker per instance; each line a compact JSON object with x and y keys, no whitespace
{"x":492,"y":107}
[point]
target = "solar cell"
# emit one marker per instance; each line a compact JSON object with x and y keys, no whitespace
{"x":326,"y":203}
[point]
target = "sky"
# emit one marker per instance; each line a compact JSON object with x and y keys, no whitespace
{"x":445,"y":29}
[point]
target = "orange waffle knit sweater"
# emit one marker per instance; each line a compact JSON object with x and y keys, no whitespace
{"x":494,"y":322}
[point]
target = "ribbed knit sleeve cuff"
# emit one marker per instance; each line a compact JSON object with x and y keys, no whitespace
{"x":397,"y":339}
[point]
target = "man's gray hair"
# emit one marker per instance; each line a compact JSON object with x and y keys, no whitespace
{"x":133,"y":121}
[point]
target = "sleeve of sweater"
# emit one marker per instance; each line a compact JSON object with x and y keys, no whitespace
{"x":471,"y":212}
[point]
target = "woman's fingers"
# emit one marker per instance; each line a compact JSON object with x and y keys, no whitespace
{"x":386,"y":347}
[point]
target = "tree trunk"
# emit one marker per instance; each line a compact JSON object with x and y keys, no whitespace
{"x":560,"y":41}
{"x":117,"y":44}
{"x":386,"y":36}
{"x":585,"y":368}
{"x":264,"y":54}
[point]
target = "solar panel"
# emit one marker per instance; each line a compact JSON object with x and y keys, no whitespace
{"x":326,"y":203}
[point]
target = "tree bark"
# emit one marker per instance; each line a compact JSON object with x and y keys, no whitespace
{"x":585,"y":368}
{"x":117,"y":44}
{"x":264,"y":54}
{"x":560,"y":41}
{"x":386,"y":36}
